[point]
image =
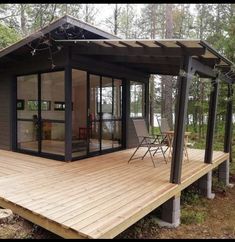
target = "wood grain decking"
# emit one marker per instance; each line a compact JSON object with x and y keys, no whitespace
{"x":98,"y":197}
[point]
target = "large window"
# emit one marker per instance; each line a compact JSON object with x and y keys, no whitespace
{"x":79,"y":113}
{"x":40,"y":126}
{"x":137,"y":99}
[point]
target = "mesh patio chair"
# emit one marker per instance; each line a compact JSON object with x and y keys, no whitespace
{"x":164,"y":127}
{"x":152,"y":143}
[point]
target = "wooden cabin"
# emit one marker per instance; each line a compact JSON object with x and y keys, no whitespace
{"x":70,"y":92}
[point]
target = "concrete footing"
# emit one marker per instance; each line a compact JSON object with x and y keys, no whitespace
{"x":205,"y":186}
{"x":170,"y":215}
{"x":6,"y":216}
{"x":223,"y":173}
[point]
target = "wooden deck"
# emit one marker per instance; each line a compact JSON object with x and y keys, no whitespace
{"x":97,"y":197}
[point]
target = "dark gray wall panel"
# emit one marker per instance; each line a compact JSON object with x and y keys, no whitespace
{"x":5,"y":112}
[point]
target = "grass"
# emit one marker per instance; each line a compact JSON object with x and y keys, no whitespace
{"x":192,"y":206}
{"x":192,"y":217}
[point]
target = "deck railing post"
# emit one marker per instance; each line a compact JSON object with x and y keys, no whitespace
{"x":223,"y":170}
{"x":180,"y":120}
{"x":211,"y":120}
{"x":68,"y":107}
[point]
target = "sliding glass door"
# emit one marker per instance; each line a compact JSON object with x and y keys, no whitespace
{"x":41,"y":113}
{"x":53,"y":113}
{"x":96,"y":114}
{"x":27,"y":113}
{"x":105,"y":113}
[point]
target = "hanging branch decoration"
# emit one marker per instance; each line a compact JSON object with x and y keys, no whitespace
{"x":47,"y":42}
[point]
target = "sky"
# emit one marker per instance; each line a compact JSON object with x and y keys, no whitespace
{"x":105,"y":10}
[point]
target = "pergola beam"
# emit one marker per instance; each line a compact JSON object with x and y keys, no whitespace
{"x":203,"y":69}
{"x":225,"y":78}
{"x":140,"y":59}
{"x":90,"y":49}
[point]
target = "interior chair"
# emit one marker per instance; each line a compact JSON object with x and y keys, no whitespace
{"x":152,"y":143}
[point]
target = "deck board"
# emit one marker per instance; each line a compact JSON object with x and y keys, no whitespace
{"x":98,"y":197}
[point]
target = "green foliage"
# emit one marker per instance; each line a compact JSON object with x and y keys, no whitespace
{"x":219,"y":186}
{"x":192,"y":217}
{"x":193,"y":206}
{"x":189,"y":197}
{"x":8,"y":36}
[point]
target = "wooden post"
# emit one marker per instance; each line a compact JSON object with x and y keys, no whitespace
{"x":68,"y":107}
{"x":181,"y":112}
{"x":211,"y":121}
{"x":223,"y":169}
{"x":229,"y":120}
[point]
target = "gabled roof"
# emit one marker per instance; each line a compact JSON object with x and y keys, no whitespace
{"x":89,"y":29}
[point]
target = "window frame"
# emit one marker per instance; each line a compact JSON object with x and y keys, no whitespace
{"x":143,"y":114}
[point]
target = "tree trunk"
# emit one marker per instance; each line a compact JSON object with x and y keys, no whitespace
{"x":22,"y":19}
{"x":167,"y":85}
{"x":86,"y":13}
{"x":151,"y":101}
{"x":116,"y":20}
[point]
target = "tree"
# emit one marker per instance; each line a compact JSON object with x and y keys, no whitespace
{"x":167,"y":81}
{"x":113,"y":21}
{"x":128,"y":22}
{"x":7,"y":36}
{"x":88,"y":13}
{"x":183,"y":22}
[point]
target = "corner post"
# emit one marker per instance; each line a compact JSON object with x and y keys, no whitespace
{"x":223,"y":170}
{"x":211,"y":120}
{"x":205,"y":182}
{"x":181,"y":112}
{"x":229,"y":117}
{"x":68,"y":106}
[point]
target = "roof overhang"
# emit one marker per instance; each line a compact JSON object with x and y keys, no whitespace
{"x":155,"y":56}
{"x":163,"y":57}
{"x":65,"y":20}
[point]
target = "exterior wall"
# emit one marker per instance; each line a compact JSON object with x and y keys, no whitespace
{"x":82,"y":63}
{"x":5,"y":112}
{"x":7,"y":93}
{"x":40,"y":63}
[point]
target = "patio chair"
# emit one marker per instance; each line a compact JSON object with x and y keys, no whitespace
{"x":152,"y":143}
{"x":164,"y":127}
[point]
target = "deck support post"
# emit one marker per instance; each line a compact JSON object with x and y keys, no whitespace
{"x":181,"y":113}
{"x":205,"y":186}
{"x":211,"y":121}
{"x":223,"y":169}
{"x":170,"y":215}
{"x":68,"y":107}
{"x":223,"y":173}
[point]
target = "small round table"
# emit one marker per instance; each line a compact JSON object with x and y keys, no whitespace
{"x":170,"y":137}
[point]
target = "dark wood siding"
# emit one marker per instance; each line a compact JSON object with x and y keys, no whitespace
{"x":31,"y":65}
{"x":5,"y":112}
{"x":40,"y":63}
